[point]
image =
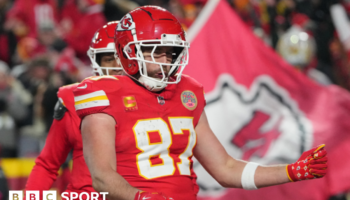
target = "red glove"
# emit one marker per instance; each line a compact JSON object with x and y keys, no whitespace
{"x":311,"y":164}
{"x":151,"y":196}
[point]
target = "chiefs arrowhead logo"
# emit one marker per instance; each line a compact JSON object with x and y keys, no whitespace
{"x":262,"y":124}
{"x":251,"y":132}
{"x":96,"y":38}
{"x":127,"y":23}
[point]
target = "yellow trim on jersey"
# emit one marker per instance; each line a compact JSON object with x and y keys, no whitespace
{"x":94,"y":99}
{"x":89,"y":95}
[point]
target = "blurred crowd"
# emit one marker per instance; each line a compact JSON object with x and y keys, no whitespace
{"x":43,"y":47}
{"x":44,"y":44}
{"x":311,"y":35}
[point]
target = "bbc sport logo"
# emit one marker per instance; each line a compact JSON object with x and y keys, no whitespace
{"x":52,"y":195}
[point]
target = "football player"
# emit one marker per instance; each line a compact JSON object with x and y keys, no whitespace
{"x":64,"y":135}
{"x":141,"y":131}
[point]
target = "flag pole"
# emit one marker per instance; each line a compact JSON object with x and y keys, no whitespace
{"x":201,"y":19}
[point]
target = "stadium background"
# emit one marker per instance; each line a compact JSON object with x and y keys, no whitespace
{"x":44,"y":43}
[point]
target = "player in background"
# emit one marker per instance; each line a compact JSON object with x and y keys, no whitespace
{"x":64,"y":135}
{"x":140,"y":131}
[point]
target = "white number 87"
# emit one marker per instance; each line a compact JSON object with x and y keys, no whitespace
{"x":142,"y":128}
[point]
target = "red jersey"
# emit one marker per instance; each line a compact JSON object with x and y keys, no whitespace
{"x":79,"y":38}
{"x":155,"y":133}
{"x":34,"y":13}
{"x":64,"y":136}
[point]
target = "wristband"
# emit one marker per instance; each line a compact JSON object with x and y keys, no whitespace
{"x":247,"y":178}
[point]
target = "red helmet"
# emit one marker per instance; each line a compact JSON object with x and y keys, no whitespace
{"x":151,"y":26}
{"x":102,"y":42}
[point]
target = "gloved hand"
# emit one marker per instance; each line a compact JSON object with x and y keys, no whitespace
{"x":311,"y":164}
{"x":151,"y":196}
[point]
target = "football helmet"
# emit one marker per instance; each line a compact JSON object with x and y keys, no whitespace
{"x":297,"y":47}
{"x":152,"y":27}
{"x":102,"y":42}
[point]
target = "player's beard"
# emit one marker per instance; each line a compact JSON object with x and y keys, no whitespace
{"x":158,"y":72}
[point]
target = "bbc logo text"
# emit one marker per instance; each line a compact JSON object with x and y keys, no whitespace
{"x":52,"y":195}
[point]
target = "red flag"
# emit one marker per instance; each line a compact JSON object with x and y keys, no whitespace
{"x":263,"y":110}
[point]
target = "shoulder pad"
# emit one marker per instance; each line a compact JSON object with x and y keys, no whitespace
{"x":96,"y":83}
{"x":59,"y":111}
{"x":185,"y":79}
{"x":93,"y":94}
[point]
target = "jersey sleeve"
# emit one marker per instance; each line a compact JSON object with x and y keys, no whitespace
{"x":93,"y":95}
{"x":200,"y":106}
{"x":52,"y":156}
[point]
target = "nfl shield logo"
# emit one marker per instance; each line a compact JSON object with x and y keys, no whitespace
{"x":161,"y":100}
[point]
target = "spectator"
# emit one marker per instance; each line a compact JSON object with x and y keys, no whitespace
{"x":7,"y":38}
{"x":83,"y":30}
{"x":29,"y":48}
{"x":14,"y":101}
{"x":46,"y":41}
{"x":68,"y":15}
{"x":340,"y":44}
{"x":26,"y":17}
{"x":36,"y":79}
{"x":341,"y":64}
{"x":66,"y":71}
